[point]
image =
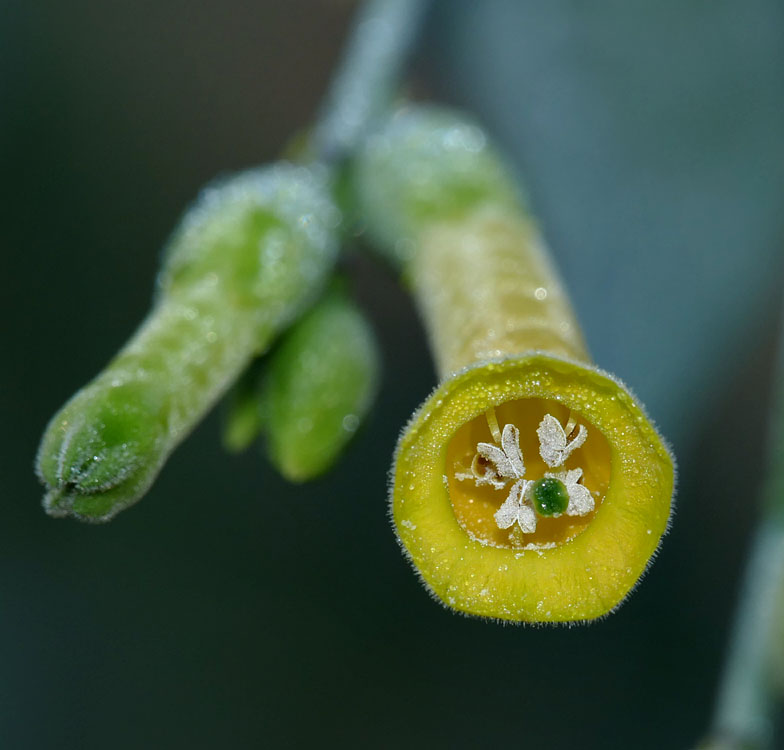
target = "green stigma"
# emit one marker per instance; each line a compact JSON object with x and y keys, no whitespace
{"x":550,"y":496}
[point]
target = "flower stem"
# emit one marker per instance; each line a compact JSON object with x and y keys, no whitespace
{"x":745,"y":699}
{"x":753,"y":668}
{"x":367,"y":76}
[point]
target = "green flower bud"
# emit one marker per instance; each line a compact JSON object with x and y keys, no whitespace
{"x":242,"y":415}
{"x":319,"y":386}
{"x":246,"y":259}
{"x":100,"y":447}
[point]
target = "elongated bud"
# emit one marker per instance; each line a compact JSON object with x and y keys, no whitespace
{"x":245,"y":260}
{"x":318,"y":387}
{"x":467,"y":496}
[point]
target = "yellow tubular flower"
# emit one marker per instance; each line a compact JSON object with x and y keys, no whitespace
{"x":530,"y":486}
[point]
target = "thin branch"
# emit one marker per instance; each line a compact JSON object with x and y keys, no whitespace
{"x":747,"y":695}
{"x":367,"y":76}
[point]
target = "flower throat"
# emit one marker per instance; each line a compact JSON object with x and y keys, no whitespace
{"x":528,"y":474}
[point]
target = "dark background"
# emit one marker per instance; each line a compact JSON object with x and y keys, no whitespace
{"x":229,"y":609}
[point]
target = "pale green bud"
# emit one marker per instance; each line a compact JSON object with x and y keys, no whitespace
{"x":242,"y":413}
{"x":319,"y":386}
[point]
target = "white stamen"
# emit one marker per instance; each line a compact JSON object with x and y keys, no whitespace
{"x":514,"y":510}
{"x":553,"y":446}
{"x":581,"y":502}
{"x":498,"y":466}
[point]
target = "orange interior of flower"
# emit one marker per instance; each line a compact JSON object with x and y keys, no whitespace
{"x":474,"y":506}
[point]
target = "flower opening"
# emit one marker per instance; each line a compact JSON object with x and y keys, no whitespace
{"x":495,"y":501}
{"x":446,"y":501}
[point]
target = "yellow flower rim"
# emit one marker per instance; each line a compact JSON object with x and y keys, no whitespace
{"x":582,"y":579}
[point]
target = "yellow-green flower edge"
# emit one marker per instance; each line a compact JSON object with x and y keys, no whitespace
{"x":582,"y":579}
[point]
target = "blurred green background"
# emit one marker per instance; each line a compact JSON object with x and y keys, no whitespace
{"x":229,"y":609}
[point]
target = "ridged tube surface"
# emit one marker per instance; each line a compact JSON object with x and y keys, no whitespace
{"x":438,"y":200}
{"x":486,"y":289}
